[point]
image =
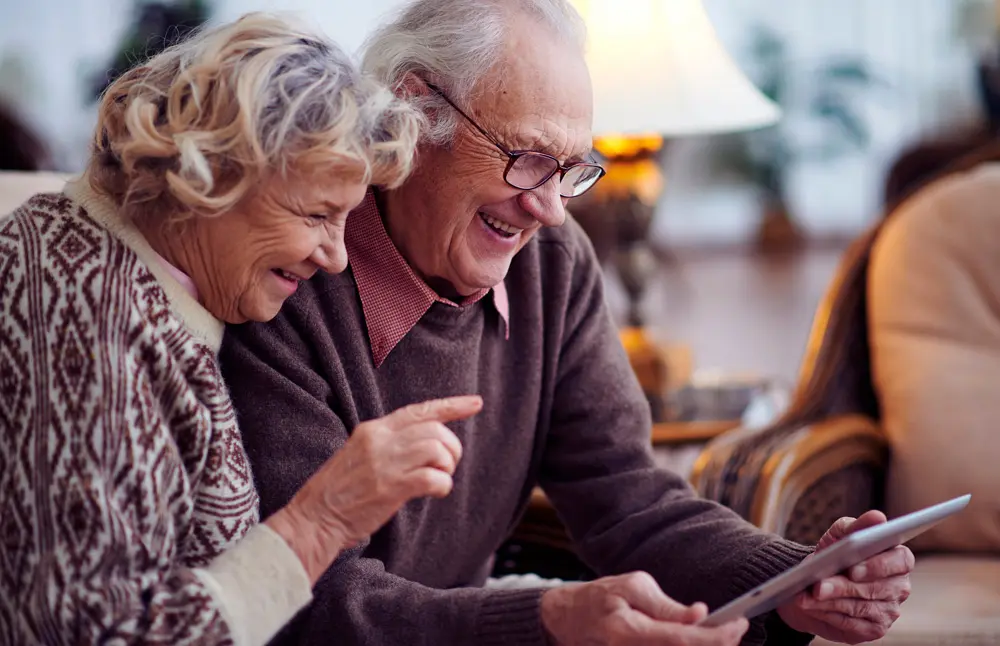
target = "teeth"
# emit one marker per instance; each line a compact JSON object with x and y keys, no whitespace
{"x":497,"y":224}
{"x":288,"y":276}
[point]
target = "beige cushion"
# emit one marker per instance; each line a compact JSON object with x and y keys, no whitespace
{"x":17,"y":187}
{"x":934,"y":316}
{"x":955,"y":602}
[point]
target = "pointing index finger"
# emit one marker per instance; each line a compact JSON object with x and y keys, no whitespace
{"x":448,"y":409}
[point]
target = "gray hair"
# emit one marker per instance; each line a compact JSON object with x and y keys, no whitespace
{"x":195,"y":129}
{"x":456,"y":44}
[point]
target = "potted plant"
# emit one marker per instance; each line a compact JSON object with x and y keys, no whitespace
{"x":763,"y":157}
{"x":157,"y":25}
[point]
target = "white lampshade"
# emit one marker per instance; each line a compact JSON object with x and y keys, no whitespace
{"x":658,"y":67}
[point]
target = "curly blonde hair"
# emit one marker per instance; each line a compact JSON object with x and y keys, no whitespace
{"x":194,"y":130}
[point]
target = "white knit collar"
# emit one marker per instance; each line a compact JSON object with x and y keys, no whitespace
{"x":198,"y":320}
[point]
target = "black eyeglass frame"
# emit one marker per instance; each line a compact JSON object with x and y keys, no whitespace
{"x":514,"y":155}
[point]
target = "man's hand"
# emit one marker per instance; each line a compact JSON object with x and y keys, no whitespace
{"x":861,"y":606}
{"x":628,"y":609}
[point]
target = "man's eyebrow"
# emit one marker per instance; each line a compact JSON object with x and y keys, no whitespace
{"x":547,"y":147}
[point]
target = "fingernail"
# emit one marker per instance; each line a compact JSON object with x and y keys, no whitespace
{"x":825,"y":590}
{"x":859,"y":572}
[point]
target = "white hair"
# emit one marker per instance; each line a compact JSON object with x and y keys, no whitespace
{"x":455,"y":44}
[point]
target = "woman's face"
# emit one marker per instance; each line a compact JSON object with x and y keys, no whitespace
{"x":252,"y":258}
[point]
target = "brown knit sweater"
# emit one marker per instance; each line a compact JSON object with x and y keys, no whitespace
{"x":562,"y":409}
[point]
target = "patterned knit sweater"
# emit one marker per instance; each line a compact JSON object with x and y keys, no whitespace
{"x":127,"y":508}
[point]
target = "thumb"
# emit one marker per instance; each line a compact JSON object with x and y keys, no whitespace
{"x":847,"y":525}
{"x":646,"y":597}
{"x":696,"y":612}
{"x":690,"y":615}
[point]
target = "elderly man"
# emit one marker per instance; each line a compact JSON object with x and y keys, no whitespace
{"x":470,"y":278}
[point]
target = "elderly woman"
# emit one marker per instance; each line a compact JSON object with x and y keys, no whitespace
{"x":221,"y":177}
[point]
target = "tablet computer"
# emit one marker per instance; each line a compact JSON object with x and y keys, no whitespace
{"x":842,"y":555}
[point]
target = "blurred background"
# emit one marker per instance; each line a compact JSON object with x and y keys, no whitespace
{"x":741,"y":234}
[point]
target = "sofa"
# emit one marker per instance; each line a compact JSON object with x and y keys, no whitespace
{"x":897,"y":408}
{"x":17,"y":186}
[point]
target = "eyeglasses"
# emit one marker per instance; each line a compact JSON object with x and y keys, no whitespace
{"x":528,"y":169}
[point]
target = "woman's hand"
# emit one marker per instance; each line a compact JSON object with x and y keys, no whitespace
{"x":407,"y":454}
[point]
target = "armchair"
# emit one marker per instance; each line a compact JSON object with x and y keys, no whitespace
{"x":896,"y":407}
{"x":17,"y":186}
{"x":824,"y":458}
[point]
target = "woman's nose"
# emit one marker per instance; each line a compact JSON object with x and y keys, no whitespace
{"x":331,"y":256}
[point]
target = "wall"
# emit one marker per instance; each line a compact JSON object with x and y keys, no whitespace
{"x":915,"y":46}
{"x":50,"y":48}
{"x":47,"y":49}
{"x":911,"y":43}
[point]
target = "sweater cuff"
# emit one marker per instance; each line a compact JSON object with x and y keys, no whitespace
{"x":259,"y":584}
{"x":764,"y":564}
{"x":511,"y":617}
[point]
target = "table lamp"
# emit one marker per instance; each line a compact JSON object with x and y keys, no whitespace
{"x":658,"y":71}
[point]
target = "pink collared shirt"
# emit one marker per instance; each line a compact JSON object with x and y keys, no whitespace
{"x":393,"y":297}
{"x":179,"y":276}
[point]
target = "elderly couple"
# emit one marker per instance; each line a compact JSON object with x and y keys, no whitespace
{"x":143,"y":439}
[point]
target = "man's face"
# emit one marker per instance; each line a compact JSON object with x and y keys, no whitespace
{"x":461,"y":224}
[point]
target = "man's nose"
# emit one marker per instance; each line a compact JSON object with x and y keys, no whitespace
{"x":545,"y":204}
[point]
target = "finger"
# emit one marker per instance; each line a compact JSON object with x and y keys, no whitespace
{"x":895,"y":562}
{"x":427,"y":453}
{"x":426,"y":481}
{"x":879,"y":612}
{"x":449,"y":409}
{"x":838,"y":587}
{"x":638,"y":629}
{"x":729,"y":634}
{"x":847,"y":525}
{"x":441,"y":433}
{"x":855,"y":630}
{"x":437,"y":432}
{"x":642,"y":593}
{"x":840,"y":528}
{"x":868,"y":519}
{"x":697,"y":612}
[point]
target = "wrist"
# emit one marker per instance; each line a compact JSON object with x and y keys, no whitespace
{"x":549,"y":608}
{"x":316,"y":548}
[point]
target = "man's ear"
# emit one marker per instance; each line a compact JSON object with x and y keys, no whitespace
{"x":417,"y":91}
{"x":412,"y":87}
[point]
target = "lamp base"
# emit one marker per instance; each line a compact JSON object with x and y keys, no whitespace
{"x":651,"y":367}
{"x":778,"y":231}
{"x":618,"y":213}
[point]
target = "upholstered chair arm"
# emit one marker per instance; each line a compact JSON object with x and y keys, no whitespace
{"x":796,"y":481}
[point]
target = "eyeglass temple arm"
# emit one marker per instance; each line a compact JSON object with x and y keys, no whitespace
{"x":436,"y":90}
